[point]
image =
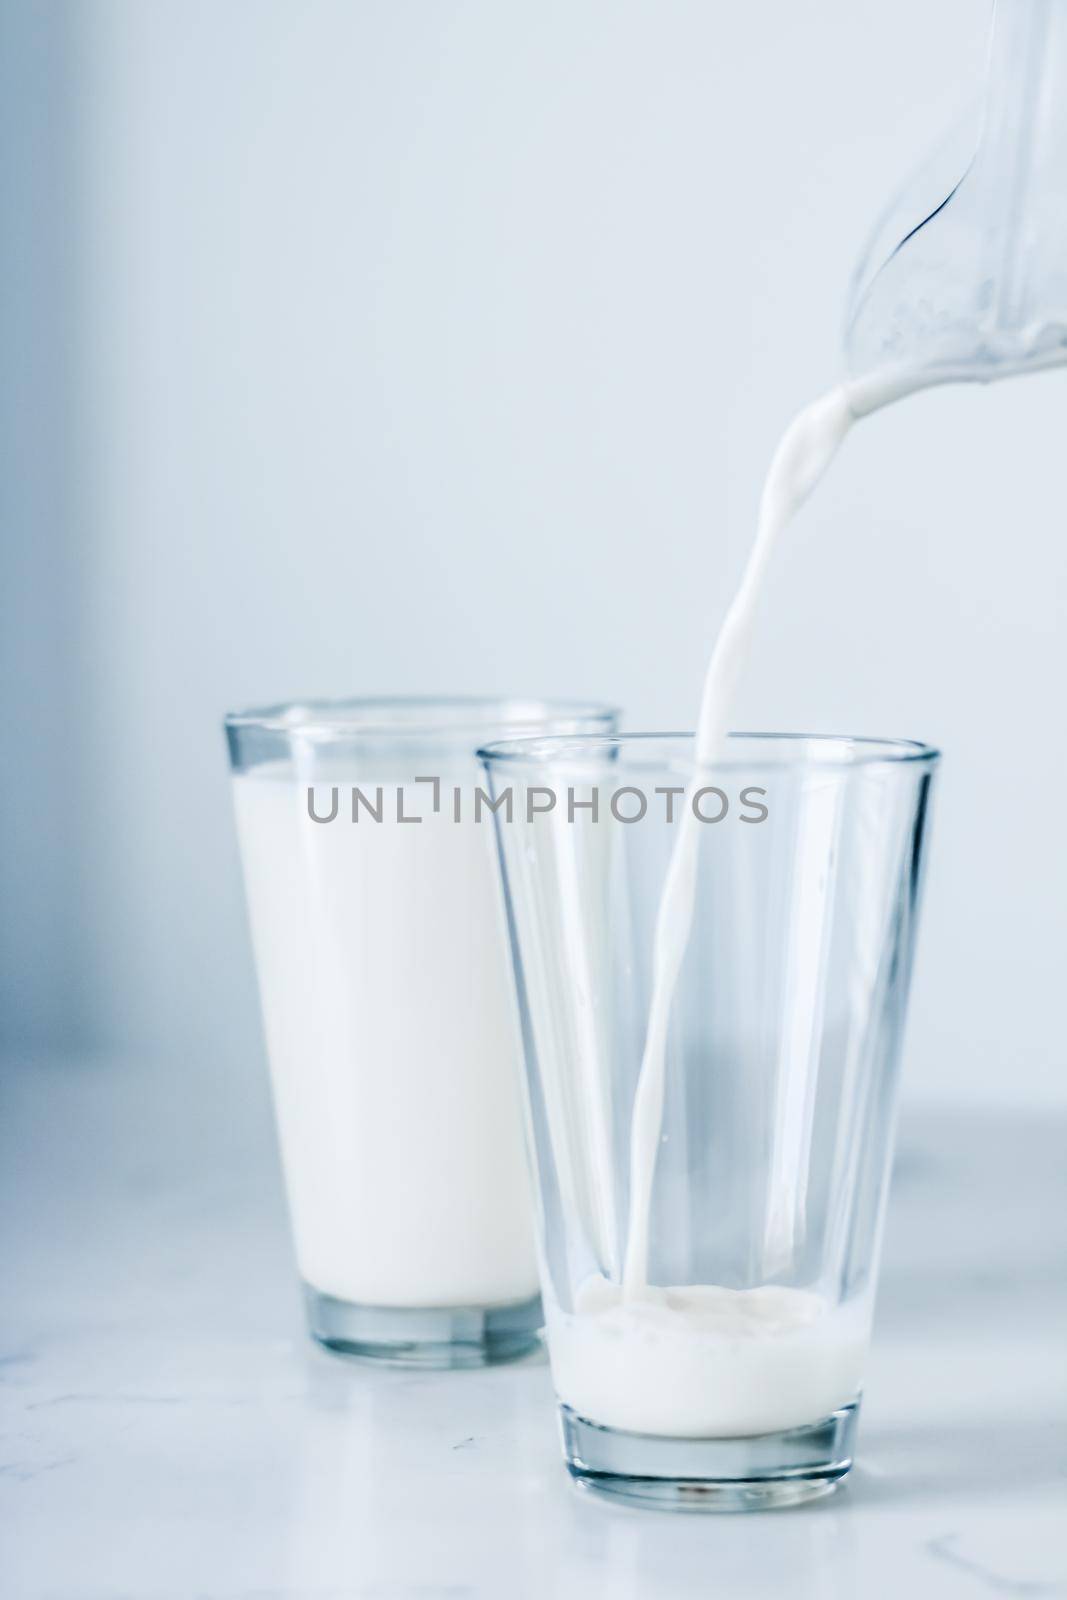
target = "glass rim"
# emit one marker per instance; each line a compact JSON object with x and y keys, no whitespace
{"x":412,"y":716}
{"x":541,"y":751}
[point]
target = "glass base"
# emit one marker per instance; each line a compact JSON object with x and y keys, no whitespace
{"x":447,"y":1336}
{"x":760,"y":1473}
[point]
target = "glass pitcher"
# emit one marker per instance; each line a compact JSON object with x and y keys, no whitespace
{"x":975,"y":284}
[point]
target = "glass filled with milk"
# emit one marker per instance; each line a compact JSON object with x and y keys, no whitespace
{"x":713,"y":962}
{"x":389,"y":1008}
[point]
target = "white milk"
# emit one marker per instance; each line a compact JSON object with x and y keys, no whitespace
{"x":704,"y":1360}
{"x":394,"y":1046}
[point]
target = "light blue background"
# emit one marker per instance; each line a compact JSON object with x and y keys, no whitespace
{"x":403,"y":346}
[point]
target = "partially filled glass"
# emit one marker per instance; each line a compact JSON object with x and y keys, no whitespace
{"x":708,"y":1266}
{"x":389,"y":1008}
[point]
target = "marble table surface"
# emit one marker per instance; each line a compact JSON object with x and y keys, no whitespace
{"x":169,"y":1432}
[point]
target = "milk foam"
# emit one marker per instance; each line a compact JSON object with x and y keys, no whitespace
{"x":704,"y":1362}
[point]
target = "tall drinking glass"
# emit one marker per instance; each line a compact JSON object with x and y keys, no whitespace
{"x":708,"y":1262}
{"x":389,"y":1007}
